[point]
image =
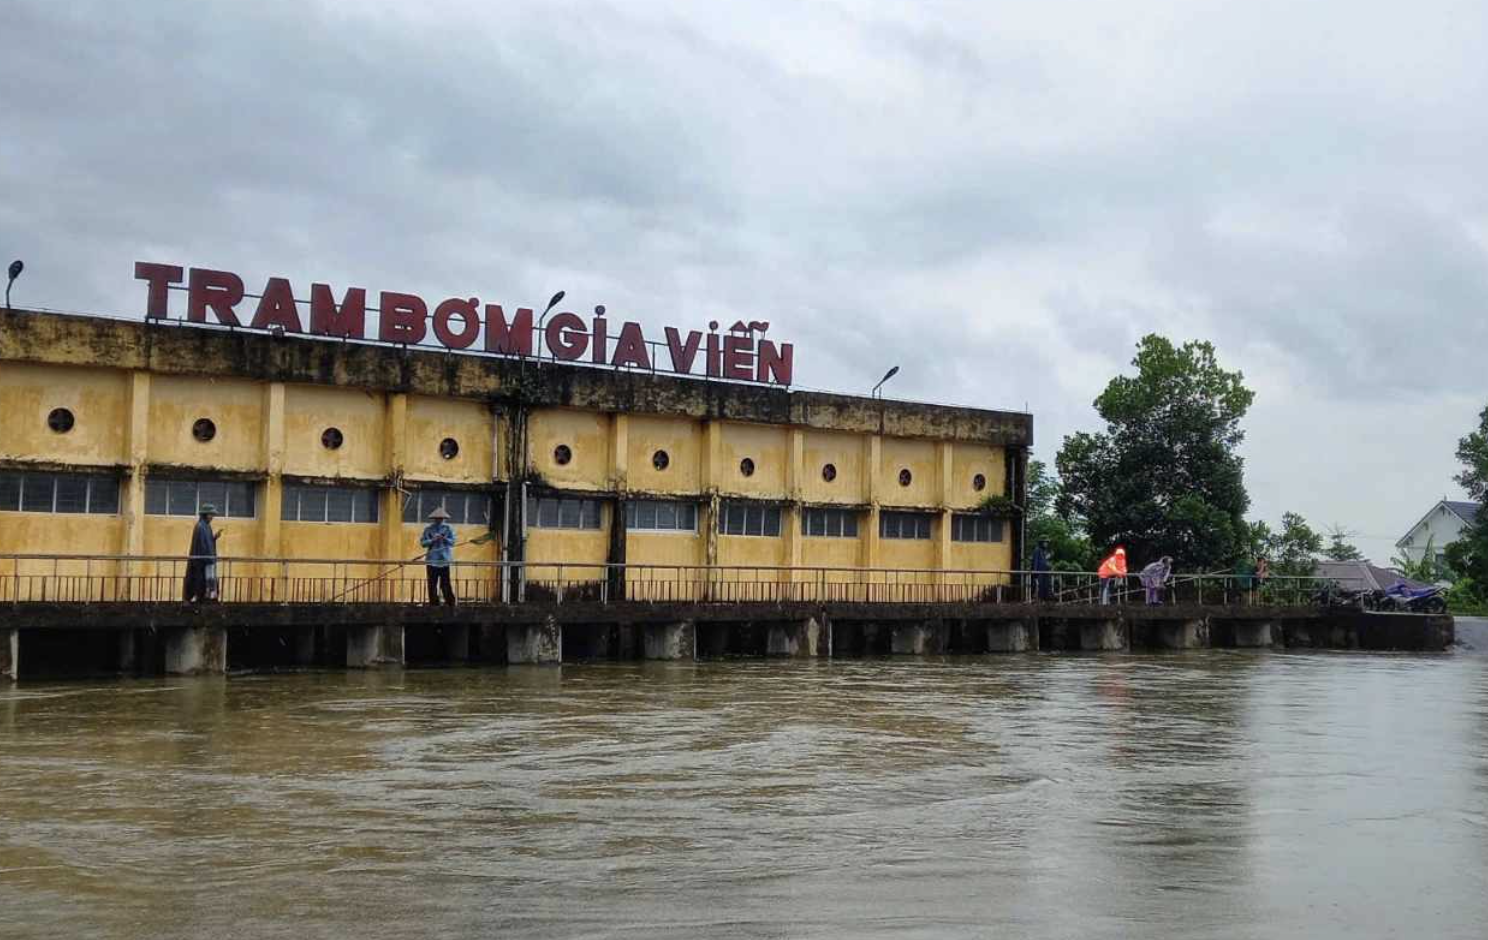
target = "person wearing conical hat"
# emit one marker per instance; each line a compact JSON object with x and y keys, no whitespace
{"x":439,"y":543}
{"x":1112,"y":571}
{"x":201,"y":564}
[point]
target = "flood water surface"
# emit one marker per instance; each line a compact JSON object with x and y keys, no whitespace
{"x":1215,"y":794}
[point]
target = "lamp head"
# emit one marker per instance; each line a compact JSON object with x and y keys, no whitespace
{"x":16,"y":267}
{"x":889,"y":375}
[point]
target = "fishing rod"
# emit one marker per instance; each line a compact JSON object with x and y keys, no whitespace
{"x":477,"y":540}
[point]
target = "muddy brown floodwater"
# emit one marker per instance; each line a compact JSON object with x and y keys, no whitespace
{"x":1214,"y":794}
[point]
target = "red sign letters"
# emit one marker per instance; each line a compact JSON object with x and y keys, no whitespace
{"x":460,"y":323}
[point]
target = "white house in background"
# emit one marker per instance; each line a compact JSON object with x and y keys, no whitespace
{"x":1440,"y":527}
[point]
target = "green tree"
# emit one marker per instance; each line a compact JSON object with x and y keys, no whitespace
{"x":1339,"y":547}
{"x":1293,"y":552}
{"x":1468,"y":556}
{"x":1427,"y":570}
{"x":1165,"y":477}
{"x":1069,"y":549}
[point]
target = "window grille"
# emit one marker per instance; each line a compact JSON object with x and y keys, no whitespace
{"x":305,"y":502}
{"x":748,"y":519}
{"x":661,"y":515}
{"x":26,"y":491}
{"x":186,"y":497}
{"x":830,"y":523}
{"x":904,"y":525}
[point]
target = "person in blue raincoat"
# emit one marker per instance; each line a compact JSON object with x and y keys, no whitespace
{"x":439,"y":540}
{"x":201,"y":565}
{"x":1043,"y":583}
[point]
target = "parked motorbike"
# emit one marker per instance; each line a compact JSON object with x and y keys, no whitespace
{"x":1400,"y":598}
{"x":1331,"y":595}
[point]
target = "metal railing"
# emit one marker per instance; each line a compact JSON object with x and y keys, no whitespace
{"x":39,"y":578}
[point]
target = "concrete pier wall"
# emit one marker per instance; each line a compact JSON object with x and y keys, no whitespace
{"x":368,"y":647}
{"x":10,"y":653}
{"x":195,"y":651}
{"x":670,"y":641}
{"x":534,"y":643}
{"x":74,"y":647}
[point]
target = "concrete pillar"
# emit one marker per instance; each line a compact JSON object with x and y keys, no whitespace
{"x":1012,"y":636}
{"x":376,"y":645}
{"x":456,"y":642}
{"x":802,"y":638}
{"x":910,"y":639}
{"x":10,"y":653}
{"x":1102,"y":635}
{"x":127,"y":660}
{"x":534,"y":642}
{"x":305,"y":646}
{"x":1182,"y":634}
{"x":1254,"y":634}
{"x":670,"y":640}
{"x":195,"y":651}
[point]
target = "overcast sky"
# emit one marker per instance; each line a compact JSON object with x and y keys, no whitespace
{"x":998,"y":197}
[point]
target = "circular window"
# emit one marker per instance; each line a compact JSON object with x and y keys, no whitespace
{"x":829,"y":472}
{"x":660,"y":460}
{"x":562,"y":454}
{"x":204,"y":430}
{"x":979,"y":482}
{"x":905,"y":477}
{"x":449,"y":448}
{"x":60,"y":420}
{"x":746,"y":467}
{"x":332,"y":438}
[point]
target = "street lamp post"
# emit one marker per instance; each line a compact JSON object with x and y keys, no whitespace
{"x":887,"y":375}
{"x":16,"y":267}
{"x":557,"y":299}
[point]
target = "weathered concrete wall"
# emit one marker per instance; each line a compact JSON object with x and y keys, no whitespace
{"x":10,"y":653}
{"x":534,"y":643}
{"x":191,"y":651}
{"x":670,"y":640}
{"x":374,"y":645}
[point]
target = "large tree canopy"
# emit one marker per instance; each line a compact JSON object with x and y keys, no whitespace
{"x":1468,"y":556}
{"x":1069,"y":549}
{"x":1165,"y":477}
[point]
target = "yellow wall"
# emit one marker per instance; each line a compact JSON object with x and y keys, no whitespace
{"x":430,"y":421}
{"x":587,"y":436}
{"x":309,"y":411}
{"x":680,"y":438}
{"x":966,"y":463}
{"x":766,"y":447}
{"x":234,"y":406}
{"x":279,"y":432}
{"x":843,"y":451}
{"x":920,"y":459}
{"x":97,"y":399}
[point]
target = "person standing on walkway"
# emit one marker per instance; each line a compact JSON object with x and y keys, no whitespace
{"x":1042,"y":582}
{"x":1112,"y":570}
{"x":439,"y":540}
{"x":1155,"y":577}
{"x":201,"y":565}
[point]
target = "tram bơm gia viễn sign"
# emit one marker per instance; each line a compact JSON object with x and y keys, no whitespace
{"x":457,"y":324}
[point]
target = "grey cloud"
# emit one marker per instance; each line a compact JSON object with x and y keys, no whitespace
{"x":1001,"y":200}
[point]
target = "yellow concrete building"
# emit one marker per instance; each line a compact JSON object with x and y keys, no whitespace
{"x":113,"y":433}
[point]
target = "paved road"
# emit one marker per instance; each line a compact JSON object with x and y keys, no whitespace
{"x":1472,"y":634}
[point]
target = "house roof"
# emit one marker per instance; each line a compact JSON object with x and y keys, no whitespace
{"x":1463,"y":510}
{"x":1359,"y":575}
{"x":1468,"y":512}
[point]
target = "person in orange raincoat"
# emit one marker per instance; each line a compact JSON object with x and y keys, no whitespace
{"x":1111,"y":571}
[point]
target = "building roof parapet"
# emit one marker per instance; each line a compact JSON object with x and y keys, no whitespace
{"x":168,"y":349}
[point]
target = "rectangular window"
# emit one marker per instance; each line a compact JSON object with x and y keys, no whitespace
{"x":186,"y":497}
{"x":830,"y":523}
{"x":971,"y":528}
{"x":563,"y":513}
{"x":305,"y":502}
{"x":661,"y":515}
{"x":904,"y":525}
{"x":26,"y":491}
{"x":749,"y":519}
{"x":463,"y":506}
